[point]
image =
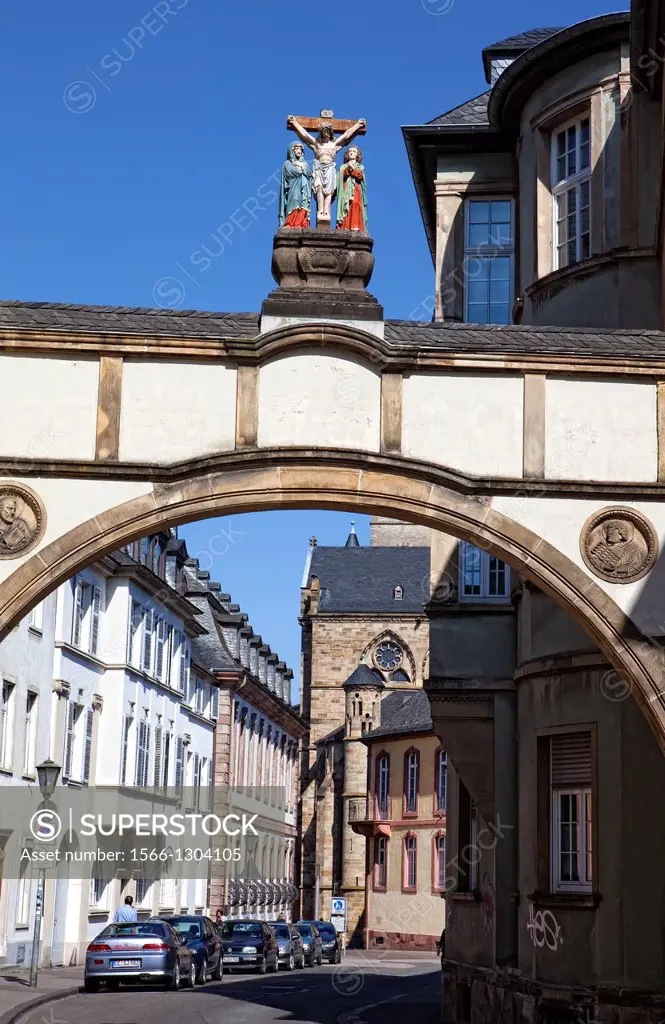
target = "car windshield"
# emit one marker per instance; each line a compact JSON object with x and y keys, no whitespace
{"x":118,"y":931}
{"x":304,"y":930}
{"x":281,"y":931}
{"x":327,"y":930}
{"x":185,"y":926}
{"x":241,"y":930}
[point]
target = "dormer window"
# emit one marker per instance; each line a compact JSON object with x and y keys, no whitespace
{"x":398,"y":593}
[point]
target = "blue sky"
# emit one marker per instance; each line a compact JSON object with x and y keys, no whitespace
{"x":135,"y":132}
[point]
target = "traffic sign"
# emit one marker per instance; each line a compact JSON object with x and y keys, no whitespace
{"x":338,"y":906}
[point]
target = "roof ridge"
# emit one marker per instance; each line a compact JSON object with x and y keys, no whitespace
{"x":134,"y":310}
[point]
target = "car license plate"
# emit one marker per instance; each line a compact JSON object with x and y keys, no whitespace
{"x":231,"y":959}
{"x":125,"y":963}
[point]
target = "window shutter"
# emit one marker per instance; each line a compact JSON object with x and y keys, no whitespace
{"x":146,"y":755}
{"x":69,"y":739}
{"x":571,"y":759}
{"x":148,"y":630}
{"x":159,"y":649}
{"x":179,"y":757}
{"x":176,"y":641}
{"x":134,"y":649}
{"x":214,"y":704}
{"x":184,"y":663}
{"x":87,"y":747}
{"x":158,"y":757}
{"x":166,"y":760}
{"x":168,"y":652}
{"x":125,"y":746}
{"x":96,"y":612}
{"x":78,"y":613}
{"x":140,"y":754}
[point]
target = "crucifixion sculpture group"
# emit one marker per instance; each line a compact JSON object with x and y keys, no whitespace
{"x":324,"y":180}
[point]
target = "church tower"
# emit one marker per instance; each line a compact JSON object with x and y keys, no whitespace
{"x":362,"y":691}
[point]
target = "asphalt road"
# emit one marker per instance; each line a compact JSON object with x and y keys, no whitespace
{"x":364,"y":989}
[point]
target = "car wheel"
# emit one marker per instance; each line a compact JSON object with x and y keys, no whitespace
{"x":202,"y":973}
{"x":275,"y":966}
{"x":173,"y":983}
{"x":301,"y":965}
{"x":338,"y":957}
{"x":219,"y":970}
{"x":191,"y":977}
{"x":91,"y":984}
{"x":291,"y":963}
{"x":263,"y":967}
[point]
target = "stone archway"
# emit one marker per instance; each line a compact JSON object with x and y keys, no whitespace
{"x":282,"y":479}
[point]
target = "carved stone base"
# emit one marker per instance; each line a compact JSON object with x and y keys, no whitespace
{"x":322,"y":274}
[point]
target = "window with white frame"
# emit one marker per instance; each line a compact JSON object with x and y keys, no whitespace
{"x":410,"y":871}
{"x":99,"y":892}
{"x":382,"y":785}
{"x":571,"y":830}
{"x":161,"y":649}
{"x":143,"y":895}
{"x":411,"y":773}
{"x":167,"y":892}
{"x":483,"y":576}
{"x":36,"y":617}
{"x":134,"y":633}
{"x":380,"y":862}
{"x":441,"y":775}
{"x":30,"y":734}
{"x":489,"y":260}
{"x":86,"y":616}
{"x":440,"y":862}
{"x":142,"y":771}
{"x":78,"y":742}
{"x":571,"y":191}
{"x":124,"y":749}
{"x":148,"y":640}
{"x":7,"y":711}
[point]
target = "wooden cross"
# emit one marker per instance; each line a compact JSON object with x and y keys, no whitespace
{"x":312,"y":124}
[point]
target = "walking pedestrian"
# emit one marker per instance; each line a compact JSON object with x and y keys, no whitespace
{"x":127,"y":912}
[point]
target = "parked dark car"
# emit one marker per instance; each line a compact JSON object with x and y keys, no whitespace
{"x":249,"y":943}
{"x":332,"y":943}
{"x":138,"y":951}
{"x":203,"y":939}
{"x":311,"y":941}
{"x":289,"y":944}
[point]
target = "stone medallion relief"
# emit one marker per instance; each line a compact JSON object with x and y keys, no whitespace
{"x":619,"y":545}
{"x":22,"y":519}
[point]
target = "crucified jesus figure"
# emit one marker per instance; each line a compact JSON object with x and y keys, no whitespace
{"x":325,"y":148}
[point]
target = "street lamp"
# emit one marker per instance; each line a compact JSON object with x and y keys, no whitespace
{"x":48,"y":773}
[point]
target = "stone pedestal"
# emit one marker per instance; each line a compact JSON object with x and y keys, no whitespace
{"x":322,"y":274}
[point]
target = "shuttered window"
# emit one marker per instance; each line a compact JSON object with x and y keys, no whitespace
{"x":214,"y":704}
{"x":142,"y":754}
{"x":158,"y":758}
{"x":166,"y":760}
{"x":134,"y":638}
{"x":179,"y":761}
{"x":571,"y":759}
{"x":160,"y":646}
{"x":571,"y":768}
{"x":70,"y":722}
{"x":148,"y":630}
{"x":95,"y":625}
{"x":77,"y":619}
{"x":127,"y":725}
{"x":87,"y":744}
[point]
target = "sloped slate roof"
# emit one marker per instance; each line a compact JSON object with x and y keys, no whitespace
{"x":472,"y":112}
{"x":585,"y":341}
{"x":127,"y":320}
{"x":363,"y":579}
{"x":363,"y":676}
{"x":524,"y":40}
{"x":403,"y":713}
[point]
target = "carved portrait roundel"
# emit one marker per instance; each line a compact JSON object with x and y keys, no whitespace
{"x":619,"y":545}
{"x":22,"y":519}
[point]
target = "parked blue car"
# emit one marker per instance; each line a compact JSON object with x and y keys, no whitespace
{"x":138,"y":952}
{"x":202,"y":938}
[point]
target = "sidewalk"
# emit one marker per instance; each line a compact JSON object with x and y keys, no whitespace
{"x":53,"y":983}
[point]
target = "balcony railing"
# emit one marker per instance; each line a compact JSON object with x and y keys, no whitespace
{"x":358,"y":808}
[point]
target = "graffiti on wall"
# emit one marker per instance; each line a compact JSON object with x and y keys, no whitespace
{"x":544,"y":929}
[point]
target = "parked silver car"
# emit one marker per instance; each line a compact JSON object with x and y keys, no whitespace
{"x":140,"y":951}
{"x":289,"y":944}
